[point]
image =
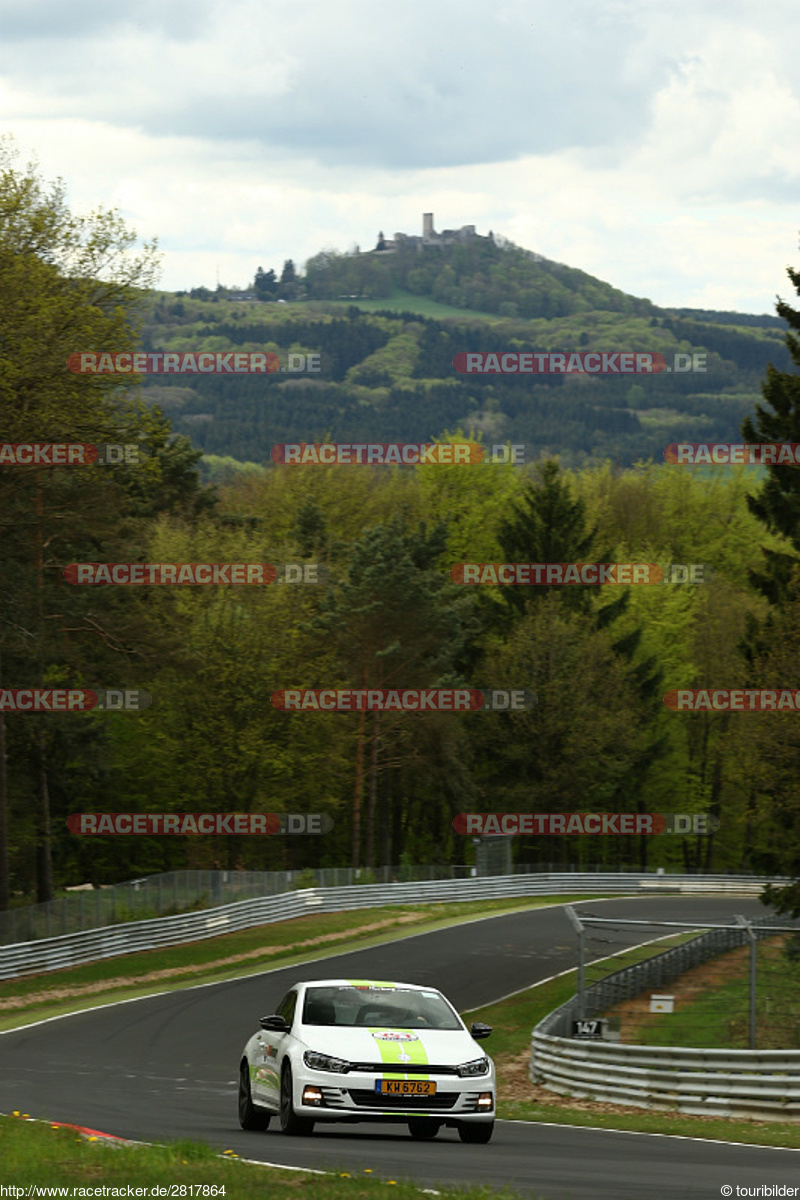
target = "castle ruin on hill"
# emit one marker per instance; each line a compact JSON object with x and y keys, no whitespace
{"x":407,"y":241}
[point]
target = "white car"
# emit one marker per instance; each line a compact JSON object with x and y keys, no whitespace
{"x":359,"y":1050}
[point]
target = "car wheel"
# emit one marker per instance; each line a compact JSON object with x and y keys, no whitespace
{"x":477,"y":1134}
{"x":290,"y":1123}
{"x":250,"y":1117}
{"x":422,"y":1130}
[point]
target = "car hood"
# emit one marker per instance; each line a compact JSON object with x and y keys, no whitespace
{"x":446,"y":1048}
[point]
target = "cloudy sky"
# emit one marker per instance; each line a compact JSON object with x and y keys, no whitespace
{"x":652,"y":144}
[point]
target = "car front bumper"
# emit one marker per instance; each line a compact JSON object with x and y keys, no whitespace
{"x":353,"y":1097}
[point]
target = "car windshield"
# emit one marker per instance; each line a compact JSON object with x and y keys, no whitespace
{"x":378,"y":1007}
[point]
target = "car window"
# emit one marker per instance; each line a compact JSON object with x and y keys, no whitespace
{"x":287,"y":1007}
{"x":389,"y":1008}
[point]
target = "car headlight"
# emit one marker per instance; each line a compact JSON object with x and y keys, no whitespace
{"x":325,"y":1062}
{"x":478,"y":1066}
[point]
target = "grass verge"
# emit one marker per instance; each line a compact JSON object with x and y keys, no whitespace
{"x":716,"y":1012}
{"x":513,"y":1020}
{"x":280,"y":944}
{"x":37,"y":1154}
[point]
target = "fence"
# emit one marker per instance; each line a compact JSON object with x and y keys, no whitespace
{"x":655,"y":972}
{"x":49,"y":954}
{"x":731,"y":1083}
{"x":181,"y":891}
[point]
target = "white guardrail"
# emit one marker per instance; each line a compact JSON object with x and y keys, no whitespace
{"x":754,"y":1084}
{"x":51,"y":954}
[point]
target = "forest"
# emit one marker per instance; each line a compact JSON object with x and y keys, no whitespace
{"x":389,"y":613}
{"x":387,"y":372}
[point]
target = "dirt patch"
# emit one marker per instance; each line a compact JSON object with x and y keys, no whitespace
{"x":127,"y":981}
{"x":634,"y":1014}
{"x":513,"y":1083}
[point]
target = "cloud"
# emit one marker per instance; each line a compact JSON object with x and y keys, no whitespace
{"x":652,"y":145}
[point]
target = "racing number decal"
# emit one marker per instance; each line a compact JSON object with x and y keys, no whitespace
{"x":400,"y":1046}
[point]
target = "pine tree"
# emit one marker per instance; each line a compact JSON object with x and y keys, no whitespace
{"x":777,"y":506}
{"x":778,"y":503}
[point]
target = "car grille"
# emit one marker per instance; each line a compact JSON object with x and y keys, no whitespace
{"x":364,"y":1098}
{"x":383,"y":1068}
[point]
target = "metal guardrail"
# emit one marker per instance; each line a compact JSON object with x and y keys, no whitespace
{"x":50,"y":954}
{"x":171,"y":892}
{"x":755,"y":1084}
{"x":751,"y":1084}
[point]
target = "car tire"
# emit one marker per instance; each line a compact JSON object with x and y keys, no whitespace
{"x":476,"y":1134}
{"x":290,"y":1123}
{"x":422,"y":1129}
{"x":250,"y":1117}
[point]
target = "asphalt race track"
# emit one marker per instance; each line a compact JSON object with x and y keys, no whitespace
{"x":166,"y":1067}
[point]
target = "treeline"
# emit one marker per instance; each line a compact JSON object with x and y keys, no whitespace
{"x":389,"y":615}
{"x":479,"y":274}
{"x":599,"y":660}
{"x":390,"y":375}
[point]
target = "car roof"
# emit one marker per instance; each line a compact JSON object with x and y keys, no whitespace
{"x":364,"y":983}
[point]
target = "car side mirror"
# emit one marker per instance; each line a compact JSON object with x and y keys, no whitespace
{"x":479,"y":1030}
{"x":276,"y":1024}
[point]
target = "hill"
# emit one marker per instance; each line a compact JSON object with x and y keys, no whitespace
{"x":389,"y":327}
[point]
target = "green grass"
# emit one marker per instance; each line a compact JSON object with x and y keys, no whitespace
{"x":516,"y":1016}
{"x":276,"y":944}
{"x":36,"y":1153}
{"x":513,"y":1021}
{"x":719,"y":1014}
{"x":401,"y":301}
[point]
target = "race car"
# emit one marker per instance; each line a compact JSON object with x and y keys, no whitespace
{"x":360,"y":1050}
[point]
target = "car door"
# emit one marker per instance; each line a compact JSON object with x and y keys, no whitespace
{"x":270,"y":1053}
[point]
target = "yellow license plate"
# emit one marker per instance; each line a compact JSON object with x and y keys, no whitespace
{"x":405,"y":1087}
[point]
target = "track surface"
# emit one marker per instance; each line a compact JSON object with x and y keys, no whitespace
{"x":166,"y":1067}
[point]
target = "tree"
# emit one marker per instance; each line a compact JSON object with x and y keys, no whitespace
{"x":265,"y":283}
{"x":289,"y":286}
{"x":397,"y":622}
{"x":548,"y":524}
{"x":69,"y":284}
{"x":777,"y":505}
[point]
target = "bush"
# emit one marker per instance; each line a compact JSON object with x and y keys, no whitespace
{"x":306,"y":879}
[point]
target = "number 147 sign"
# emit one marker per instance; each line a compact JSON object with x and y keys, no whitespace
{"x":588,"y":1029}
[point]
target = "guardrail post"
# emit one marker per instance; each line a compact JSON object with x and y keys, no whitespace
{"x":752,"y":1005}
{"x":579,"y":929}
